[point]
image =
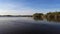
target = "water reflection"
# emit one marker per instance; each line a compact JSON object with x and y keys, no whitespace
{"x":26,"y":25}
{"x":53,"y":19}
{"x":48,"y":19}
{"x":37,"y":19}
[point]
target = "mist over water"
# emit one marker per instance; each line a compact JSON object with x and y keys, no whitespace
{"x":28,"y":25}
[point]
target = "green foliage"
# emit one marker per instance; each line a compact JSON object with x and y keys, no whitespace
{"x":53,"y":13}
{"x":48,"y":15}
{"x":51,"y":16}
{"x":38,"y":15}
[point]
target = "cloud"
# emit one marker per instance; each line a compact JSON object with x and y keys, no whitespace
{"x":16,"y":12}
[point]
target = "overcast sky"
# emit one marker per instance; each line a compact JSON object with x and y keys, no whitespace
{"x":28,"y":7}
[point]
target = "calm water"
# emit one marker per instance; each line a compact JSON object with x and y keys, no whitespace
{"x":28,"y":25}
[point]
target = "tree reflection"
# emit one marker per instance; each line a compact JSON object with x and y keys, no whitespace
{"x":37,"y":19}
{"x":48,"y":19}
{"x":53,"y":19}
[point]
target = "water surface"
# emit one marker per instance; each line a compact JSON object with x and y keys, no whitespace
{"x":28,"y":25}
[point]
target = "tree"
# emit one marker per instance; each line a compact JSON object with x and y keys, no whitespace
{"x":38,"y":15}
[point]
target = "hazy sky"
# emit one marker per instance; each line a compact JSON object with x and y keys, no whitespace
{"x":28,"y":7}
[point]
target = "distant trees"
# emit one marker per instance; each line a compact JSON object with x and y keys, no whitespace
{"x":9,"y":15}
{"x":53,"y":15}
{"x":48,"y":15}
{"x":38,"y":15}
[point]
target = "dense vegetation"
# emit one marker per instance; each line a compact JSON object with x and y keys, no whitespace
{"x":51,"y":16}
{"x":38,"y":15}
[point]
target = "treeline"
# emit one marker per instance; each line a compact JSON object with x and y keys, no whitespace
{"x":48,"y":15}
{"x":51,"y":16}
{"x":15,"y":15}
{"x":37,"y":15}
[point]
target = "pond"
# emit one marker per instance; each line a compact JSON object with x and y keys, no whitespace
{"x":28,"y":25}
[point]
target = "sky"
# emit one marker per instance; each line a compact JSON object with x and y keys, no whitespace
{"x":28,"y":7}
